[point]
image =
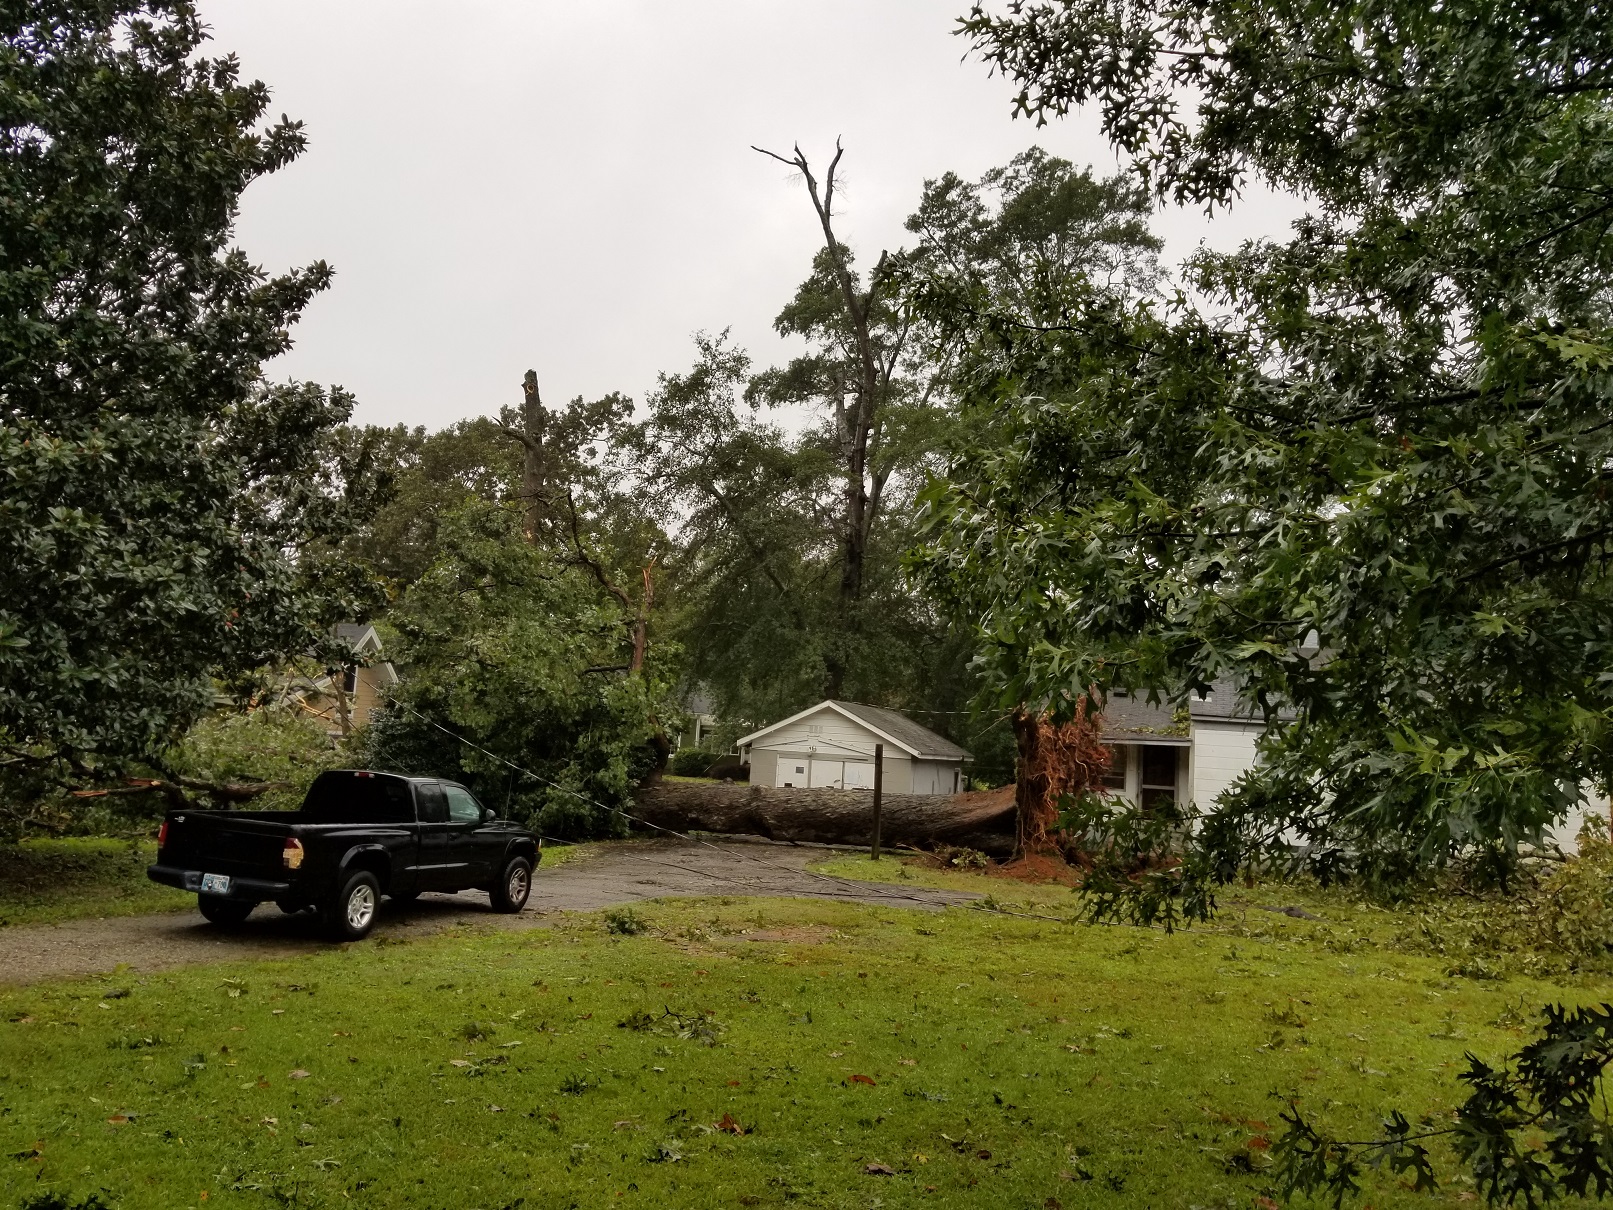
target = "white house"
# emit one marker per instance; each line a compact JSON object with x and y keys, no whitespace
{"x":1188,"y":754}
{"x":1194,"y":753}
{"x":832,"y":745}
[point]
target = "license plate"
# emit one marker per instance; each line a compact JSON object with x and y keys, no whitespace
{"x":215,"y":884}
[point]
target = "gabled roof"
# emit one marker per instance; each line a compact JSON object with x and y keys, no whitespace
{"x":360,"y":636}
{"x":890,"y":726}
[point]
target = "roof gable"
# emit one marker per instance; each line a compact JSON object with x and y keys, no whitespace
{"x":888,"y":725}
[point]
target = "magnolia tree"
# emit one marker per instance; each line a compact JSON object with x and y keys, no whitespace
{"x":167,"y":517}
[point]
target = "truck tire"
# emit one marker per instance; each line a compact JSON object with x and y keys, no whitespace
{"x":350,"y":915}
{"x":509,"y":893}
{"x":226,"y":913}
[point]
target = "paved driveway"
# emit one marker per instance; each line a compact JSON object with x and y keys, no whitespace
{"x":624,"y":872}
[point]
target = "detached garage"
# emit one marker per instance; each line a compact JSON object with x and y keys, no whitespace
{"x":831,"y":746}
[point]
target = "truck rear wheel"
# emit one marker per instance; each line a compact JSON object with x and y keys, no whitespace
{"x":351,"y":914}
{"x":226,"y":913}
{"x":514,"y":884}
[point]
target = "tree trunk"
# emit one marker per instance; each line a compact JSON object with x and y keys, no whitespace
{"x":977,"y":821}
{"x":532,"y":477}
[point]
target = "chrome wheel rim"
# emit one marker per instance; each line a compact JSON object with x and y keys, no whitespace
{"x":519,"y":882}
{"x":360,"y":907}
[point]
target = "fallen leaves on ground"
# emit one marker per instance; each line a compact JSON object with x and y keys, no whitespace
{"x":299,"y":1074}
{"x":868,"y":1080}
{"x":728,"y":1124}
{"x":879,"y":1170}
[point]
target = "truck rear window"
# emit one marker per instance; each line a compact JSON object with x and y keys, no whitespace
{"x":345,"y":797}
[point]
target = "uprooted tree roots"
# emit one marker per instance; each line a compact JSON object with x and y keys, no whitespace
{"x":1055,"y":760}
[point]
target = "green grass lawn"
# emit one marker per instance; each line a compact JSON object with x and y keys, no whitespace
{"x":46,"y":881}
{"x":743,"y":1053}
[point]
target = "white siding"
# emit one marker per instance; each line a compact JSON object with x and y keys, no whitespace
{"x":836,"y":736}
{"x":1566,"y":834}
{"x":1221,"y":753}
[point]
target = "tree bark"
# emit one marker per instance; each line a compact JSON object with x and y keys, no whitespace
{"x":534,"y":485}
{"x":978,"y":821}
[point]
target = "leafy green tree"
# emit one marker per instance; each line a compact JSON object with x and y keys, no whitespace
{"x":1371,"y":486}
{"x":433,"y":474}
{"x":516,"y":658}
{"x":166,"y":515}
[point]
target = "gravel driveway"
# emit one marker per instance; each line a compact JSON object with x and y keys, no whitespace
{"x":623,"y":872}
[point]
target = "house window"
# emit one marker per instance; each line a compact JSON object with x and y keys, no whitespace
{"x":1115,"y":778}
{"x":1159,"y":775}
{"x":800,"y":768}
{"x":350,"y":678}
{"x":814,"y":729}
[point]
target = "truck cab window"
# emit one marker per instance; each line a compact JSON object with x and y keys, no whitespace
{"x":432,"y":801}
{"x":462,"y":808}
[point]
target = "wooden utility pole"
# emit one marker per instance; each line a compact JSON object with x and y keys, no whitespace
{"x":879,"y":791}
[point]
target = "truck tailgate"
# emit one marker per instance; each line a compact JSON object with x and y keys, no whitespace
{"x":225,"y":842}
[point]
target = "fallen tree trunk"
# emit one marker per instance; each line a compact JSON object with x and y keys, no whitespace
{"x":983,"y":821}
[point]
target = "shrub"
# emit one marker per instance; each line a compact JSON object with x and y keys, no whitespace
{"x":692,"y":762}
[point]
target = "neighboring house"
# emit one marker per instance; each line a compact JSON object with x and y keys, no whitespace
{"x":702,"y":711}
{"x":1194,"y":753}
{"x":1189,"y":754}
{"x":359,"y":690}
{"x":832,"y":745}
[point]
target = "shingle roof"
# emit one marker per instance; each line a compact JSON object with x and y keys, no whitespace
{"x":899,"y":727}
{"x":1128,"y":719}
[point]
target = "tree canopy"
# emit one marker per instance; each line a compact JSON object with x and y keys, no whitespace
{"x":1361,"y":473}
{"x":167,"y":516}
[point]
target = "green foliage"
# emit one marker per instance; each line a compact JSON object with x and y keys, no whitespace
{"x":692,"y":762}
{"x":433,"y":475}
{"x":522,"y":655}
{"x":165,"y":514}
{"x":1551,"y":919}
{"x":269,"y":744}
{"x":1530,"y":1132}
{"x":1389,"y":430}
{"x":624,"y":922}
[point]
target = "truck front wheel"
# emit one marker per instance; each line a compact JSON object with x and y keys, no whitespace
{"x":226,"y":913}
{"x":351,"y":914}
{"x":513,"y":886}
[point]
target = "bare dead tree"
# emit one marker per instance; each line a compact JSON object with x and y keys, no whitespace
{"x":869,"y":386}
{"x":531,"y":433}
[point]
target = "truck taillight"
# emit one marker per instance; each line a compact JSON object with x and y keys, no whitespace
{"x":162,"y":834}
{"x":292,"y":853}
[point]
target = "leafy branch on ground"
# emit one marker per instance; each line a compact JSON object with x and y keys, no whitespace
{"x":1530,"y":1131}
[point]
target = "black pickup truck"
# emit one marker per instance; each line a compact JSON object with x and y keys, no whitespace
{"x":358,"y":835}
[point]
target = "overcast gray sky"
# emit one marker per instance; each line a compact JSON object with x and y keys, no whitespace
{"x":504,"y":184}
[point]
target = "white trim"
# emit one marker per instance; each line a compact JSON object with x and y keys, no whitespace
{"x":750,"y":739}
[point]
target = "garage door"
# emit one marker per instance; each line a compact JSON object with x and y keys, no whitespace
{"x":827,"y":774}
{"x":792,"y":771}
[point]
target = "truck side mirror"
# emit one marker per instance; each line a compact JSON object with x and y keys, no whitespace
{"x":489,"y":815}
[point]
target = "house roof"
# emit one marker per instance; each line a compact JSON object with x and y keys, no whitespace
{"x":1134,"y":720}
{"x":898,"y":729}
{"x":358,"y":635}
